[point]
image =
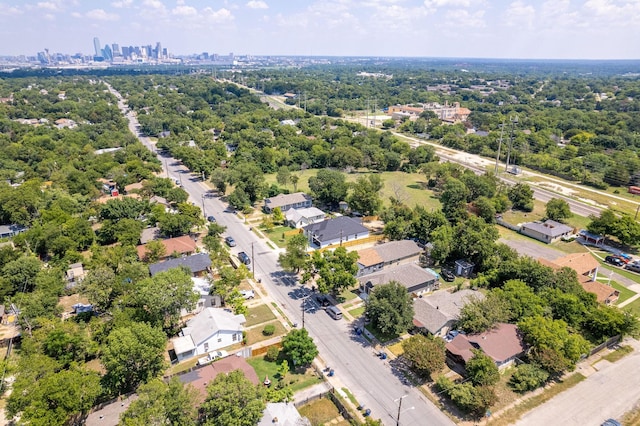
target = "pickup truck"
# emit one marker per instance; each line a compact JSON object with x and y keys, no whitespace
{"x":212,"y":356}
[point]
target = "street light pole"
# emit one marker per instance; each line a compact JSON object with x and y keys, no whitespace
{"x":499,"y":146}
{"x":514,"y":121}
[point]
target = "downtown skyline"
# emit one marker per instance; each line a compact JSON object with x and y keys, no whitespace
{"x":553,"y":29}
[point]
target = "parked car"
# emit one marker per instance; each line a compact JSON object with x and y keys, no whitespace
{"x":247,"y":294}
{"x":230,"y":241}
{"x":613,"y":260}
{"x":211,"y":218}
{"x":447,"y":275}
{"x":633,"y":266}
{"x":244,"y":258}
{"x":212,"y":356}
{"x":622,"y":258}
{"x":323,"y":300}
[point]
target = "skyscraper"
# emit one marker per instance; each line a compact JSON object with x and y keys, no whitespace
{"x":107,"y":53}
{"x":96,"y":46}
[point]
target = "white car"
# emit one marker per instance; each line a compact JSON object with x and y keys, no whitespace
{"x":247,"y":294}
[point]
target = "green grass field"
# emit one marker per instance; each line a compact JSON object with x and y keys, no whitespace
{"x":258,"y":315}
{"x":409,"y":187}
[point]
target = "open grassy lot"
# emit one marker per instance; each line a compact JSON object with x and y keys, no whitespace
{"x":406,"y":186}
{"x":625,"y":293}
{"x":277,"y":235}
{"x":320,"y":411}
{"x":356,"y":312}
{"x":255,"y":335}
{"x":633,"y":307}
{"x":294,"y":379}
{"x":258,"y":315}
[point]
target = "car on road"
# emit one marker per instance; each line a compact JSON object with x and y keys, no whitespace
{"x":633,"y":266}
{"x":244,"y":258}
{"x":211,"y":218}
{"x":323,"y":300}
{"x":447,"y":275}
{"x":614,"y":260}
{"x":230,"y":241}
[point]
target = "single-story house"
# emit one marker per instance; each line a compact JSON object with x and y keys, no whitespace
{"x":503,"y":344}
{"x":75,"y":273}
{"x":393,"y":252}
{"x":604,"y":293}
{"x":415,"y":279}
{"x":179,"y":245}
{"x":198,"y":264}
{"x":210,"y":330}
{"x":199,"y":378}
{"x":109,"y":414}
{"x":281,"y":414}
{"x":298,"y":218}
{"x":334,"y":231}
{"x":297,"y":200}
{"x":439,"y":312}
{"x":548,"y":231}
{"x":9,"y":231}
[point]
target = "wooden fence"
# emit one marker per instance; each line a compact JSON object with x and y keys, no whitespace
{"x":263,"y":349}
{"x":369,"y":239}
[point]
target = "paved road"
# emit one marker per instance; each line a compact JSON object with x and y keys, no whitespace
{"x":608,"y":393}
{"x":368,"y":378}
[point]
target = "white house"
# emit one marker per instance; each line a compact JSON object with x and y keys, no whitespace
{"x":303,"y":217}
{"x":334,"y":231}
{"x":297,"y":200}
{"x":548,"y":231}
{"x":210,"y":330}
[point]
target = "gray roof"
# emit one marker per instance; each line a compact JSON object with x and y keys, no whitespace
{"x":210,"y":321}
{"x":434,"y":311}
{"x":408,"y":275}
{"x":335,"y":228}
{"x":549,"y":227}
{"x":196,"y":263}
{"x":286,"y":199}
{"x":394,"y":250}
{"x":281,"y":414}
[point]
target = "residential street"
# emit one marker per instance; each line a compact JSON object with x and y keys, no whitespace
{"x":368,"y":378}
{"x":608,"y":393}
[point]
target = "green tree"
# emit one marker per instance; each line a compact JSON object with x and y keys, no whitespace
{"x":133,"y":354}
{"x":604,"y":224}
{"x":328,"y":187}
{"x":486,"y":209}
{"x":154,"y":251}
{"x":521,"y":195}
{"x":454,"y":200}
{"x":528,"y":377}
{"x":299,"y":347}
{"x":426,"y":354}
{"x":479,"y":315}
{"x":295,"y":256}
{"x":161,"y":298}
{"x":558,"y":209}
{"x":278,"y":216}
{"x":98,"y":286}
{"x":481,"y":369}
{"x":336,"y":269}
{"x":232,"y":400}
{"x":365,"y":194}
{"x":283,"y":176}
{"x":161,"y":403}
{"x":390,"y":309}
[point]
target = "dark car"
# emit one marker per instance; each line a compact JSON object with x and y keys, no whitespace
{"x":211,"y":218}
{"x":230,"y":241}
{"x":244,"y":258}
{"x":323,"y":300}
{"x":447,"y":275}
{"x":614,"y":260}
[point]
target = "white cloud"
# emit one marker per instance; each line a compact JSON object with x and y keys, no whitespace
{"x":520,"y":14}
{"x":47,"y":5}
{"x":101,"y":15}
{"x":49,"y":17}
{"x":257,"y":4}
{"x":461,"y":18}
{"x":221,"y":15}
{"x":185,"y":11}
{"x":9,"y":10}
{"x":432,"y":4}
{"x":122,"y":3}
{"x":619,"y":11}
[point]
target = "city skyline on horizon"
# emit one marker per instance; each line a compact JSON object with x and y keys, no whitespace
{"x":501,"y":29}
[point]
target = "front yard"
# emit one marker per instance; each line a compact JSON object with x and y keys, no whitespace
{"x":295,"y":380}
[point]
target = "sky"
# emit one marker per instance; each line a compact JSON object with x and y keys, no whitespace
{"x":527,"y":29}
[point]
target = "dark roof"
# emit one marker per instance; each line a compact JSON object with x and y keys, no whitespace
{"x":501,"y":343}
{"x":201,"y":377}
{"x":335,"y":228}
{"x":196,"y":263}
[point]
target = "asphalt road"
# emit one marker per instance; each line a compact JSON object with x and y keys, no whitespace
{"x":369,"y":379}
{"x":609,"y":393}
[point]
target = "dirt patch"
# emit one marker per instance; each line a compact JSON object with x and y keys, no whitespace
{"x":557,"y":188}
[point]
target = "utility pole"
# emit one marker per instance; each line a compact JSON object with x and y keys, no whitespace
{"x":203,"y":212}
{"x":253,"y":263}
{"x":499,"y":146}
{"x":304,"y":303}
{"x":514,"y":121}
{"x":399,"y":407}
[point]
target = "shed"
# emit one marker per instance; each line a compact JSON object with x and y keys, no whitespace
{"x":463,"y":268}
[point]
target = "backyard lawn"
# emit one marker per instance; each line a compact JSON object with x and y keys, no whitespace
{"x":255,"y":335}
{"x":319,"y":412}
{"x":295,"y":380}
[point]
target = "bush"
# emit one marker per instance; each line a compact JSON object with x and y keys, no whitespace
{"x":269,"y":329}
{"x":528,"y":377}
{"x":272,"y":354}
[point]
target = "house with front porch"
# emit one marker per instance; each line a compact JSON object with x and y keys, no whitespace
{"x":390,"y":253}
{"x":415,"y":279}
{"x":334,"y":231}
{"x":297,"y":200}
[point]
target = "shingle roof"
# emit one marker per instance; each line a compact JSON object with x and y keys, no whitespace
{"x":369,"y":257}
{"x":335,"y":228}
{"x":582,"y":263}
{"x":196,"y":263}
{"x":181,"y":245}
{"x":394,"y":250}
{"x":210,"y":321}
{"x":603,"y":292}
{"x":434,"y":311}
{"x":286,"y":199}
{"x":296,"y":214}
{"x":549,"y":227}
{"x":500,"y":343}
{"x":408,"y":275}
